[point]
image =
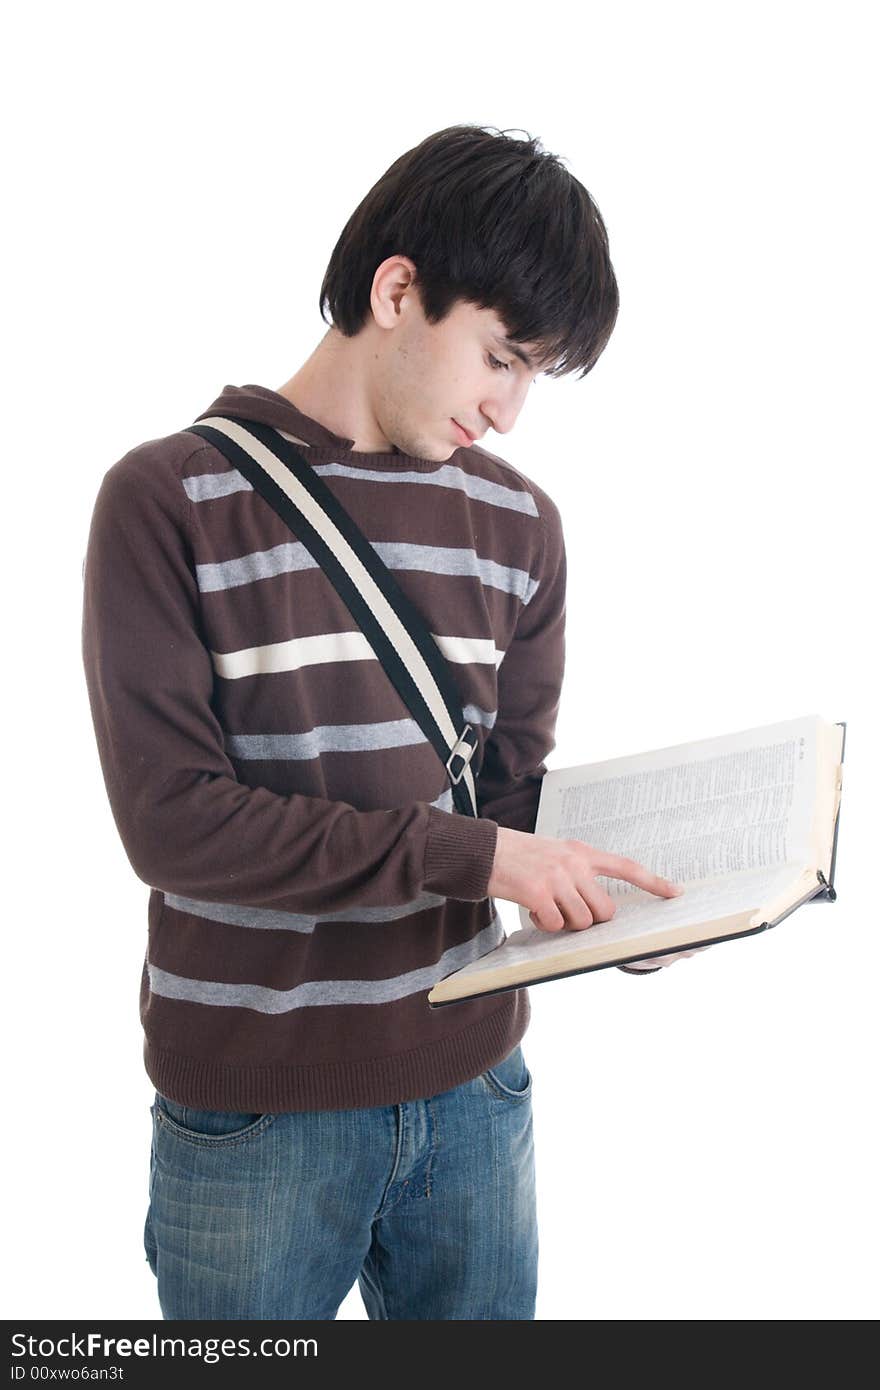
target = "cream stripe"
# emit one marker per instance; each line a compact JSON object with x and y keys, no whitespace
{"x":291,"y":655}
{"x":467,"y":650}
{"x":324,"y":647}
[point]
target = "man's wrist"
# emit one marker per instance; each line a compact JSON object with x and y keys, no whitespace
{"x":459,"y":855}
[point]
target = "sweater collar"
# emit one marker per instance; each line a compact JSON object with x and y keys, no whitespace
{"x":253,"y":402}
{"x":259,"y":403}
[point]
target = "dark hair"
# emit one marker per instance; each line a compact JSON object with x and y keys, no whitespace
{"x":495,"y":221}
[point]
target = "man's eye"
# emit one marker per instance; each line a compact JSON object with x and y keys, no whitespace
{"x":496,"y":365}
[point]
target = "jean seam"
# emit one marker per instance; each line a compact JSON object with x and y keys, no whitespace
{"x":432,"y":1148}
{"x":384,"y":1205}
{"x":497,"y":1086}
{"x":219,"y":1141}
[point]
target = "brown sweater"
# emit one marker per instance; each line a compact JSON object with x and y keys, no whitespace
{"x":310,"y":879}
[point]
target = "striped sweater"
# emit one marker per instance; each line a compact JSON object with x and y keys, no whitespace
{"x":310,"y":879}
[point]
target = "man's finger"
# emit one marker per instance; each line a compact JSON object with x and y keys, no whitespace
{"x":618,"y":866}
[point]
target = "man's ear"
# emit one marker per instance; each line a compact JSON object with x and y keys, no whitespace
{"x":394,"y":290}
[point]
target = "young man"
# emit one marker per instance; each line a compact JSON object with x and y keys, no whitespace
{"x":315,"y":1122}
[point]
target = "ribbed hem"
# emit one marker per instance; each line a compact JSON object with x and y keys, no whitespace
{"x":416,"y":1074}
{"x":459,"y":855}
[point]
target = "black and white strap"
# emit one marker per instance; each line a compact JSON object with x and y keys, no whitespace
{"x":408,"y":652}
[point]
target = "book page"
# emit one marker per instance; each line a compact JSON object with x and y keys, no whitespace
{"x":713,"y":898}
{"x":693,"y":811}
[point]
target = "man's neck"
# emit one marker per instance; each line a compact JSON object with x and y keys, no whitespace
{"x":330,"y":388}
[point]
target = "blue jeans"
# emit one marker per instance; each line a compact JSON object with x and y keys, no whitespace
{"x":429,"y":1205}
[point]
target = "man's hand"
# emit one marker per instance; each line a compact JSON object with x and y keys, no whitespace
{"x":663,"y":960}
{"x":556,"y":879}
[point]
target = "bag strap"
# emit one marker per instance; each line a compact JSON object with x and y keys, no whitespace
{"x":389,"y":621}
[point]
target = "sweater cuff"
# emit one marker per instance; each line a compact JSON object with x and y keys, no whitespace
{"x":459,"y":855}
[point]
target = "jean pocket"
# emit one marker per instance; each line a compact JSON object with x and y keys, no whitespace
{"x":510,"y":1078}
{"x":209,"y":1127}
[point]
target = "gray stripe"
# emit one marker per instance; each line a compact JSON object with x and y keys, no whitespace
{"x":270,"y":919}
{"x":446,"y":476}
{"x":326,"y":738}
{"x":201,"y":487}
{"x":264,"y":1000}
{"x":339,"y":738}
{"x":397,"y":555}
{"x":260,"y":564}
{"x":473,"y":715}
{"x":436,"y":559}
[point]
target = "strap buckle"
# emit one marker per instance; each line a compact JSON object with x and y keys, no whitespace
{"x":461,"y":749}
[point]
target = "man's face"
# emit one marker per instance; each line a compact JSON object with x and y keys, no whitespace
{"x":432,"y":378}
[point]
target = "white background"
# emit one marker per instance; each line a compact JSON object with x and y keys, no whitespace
{"x":176,"y":179}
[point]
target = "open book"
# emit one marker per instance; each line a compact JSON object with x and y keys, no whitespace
{"x":747,"y":822}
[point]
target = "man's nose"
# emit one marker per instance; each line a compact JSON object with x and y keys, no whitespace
{"x":502,"y":410}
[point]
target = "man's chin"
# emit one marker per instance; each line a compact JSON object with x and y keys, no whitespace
{"x":426,"y":449}
{"x":441,"y":454}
